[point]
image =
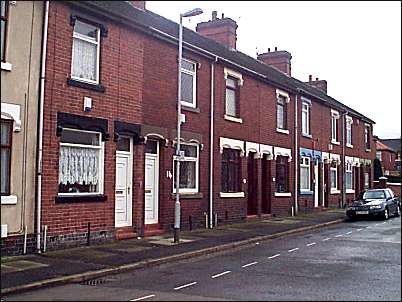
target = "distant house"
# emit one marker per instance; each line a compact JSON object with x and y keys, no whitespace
{"x":395,"y":144}
{"x":388,"y":151}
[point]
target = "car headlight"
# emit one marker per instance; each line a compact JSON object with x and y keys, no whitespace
{"x":376,"y":207}
{"x":351,"y":208}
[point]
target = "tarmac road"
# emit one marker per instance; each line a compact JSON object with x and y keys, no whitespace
{"x":358,"y":260}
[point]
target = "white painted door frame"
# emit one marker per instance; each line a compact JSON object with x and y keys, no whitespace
{"x":155,"y":190}
{"x":127,"y":191}
{"x":316,"y":180}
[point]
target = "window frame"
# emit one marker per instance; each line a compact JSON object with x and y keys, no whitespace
{"x":305,"y":162}
{"x":226,"y":163}
{"x":378,"y":155}
{"x":306,"y":107}
{"x":349,"y":170}
{"x":366,"y":176}
{"x":5,"y":19}
{"x":334,"y":127}
{"x":367,"y":137}
{"x":284,"y":161}
{"x":285,"y":113}
{"x":197,"y":170}
{"x":236,"y":95}
{"x":349,"y":132}
{"x":98,"y":43}
{"x":8,"y":146}
{"x":334,"y":189}
{"x":194,"y":75}
{"x":101,"y":162}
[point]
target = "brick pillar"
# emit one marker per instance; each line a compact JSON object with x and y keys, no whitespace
{"x":138,"y":187}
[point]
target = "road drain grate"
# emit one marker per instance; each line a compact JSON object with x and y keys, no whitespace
{"x":94,"y":282}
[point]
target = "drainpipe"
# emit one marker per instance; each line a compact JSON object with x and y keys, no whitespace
{"x":211,"y":147}
{"x":40,"y":130}
{"x":343,"y":160}
{"x":296,"y":157}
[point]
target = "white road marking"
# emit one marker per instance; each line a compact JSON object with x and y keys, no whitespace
{"x":310,"y":244}
{"x":384,"y":222}
{"x":274,"y":256}
{"x":325,"y":239}
{"x":349,"y":233}
{"x":339,"y":235}
{"x":249,"y":264}
{"x":143,"y":298}
{"x":292,"y":250}
{"x":358,"y":230}
{"x":376,"y":224}
{"x":185,"y":285}
{"x":221,"y":274}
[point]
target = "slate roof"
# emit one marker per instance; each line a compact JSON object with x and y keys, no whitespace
{"x":394,"y":144}
{"x":150,"y":20}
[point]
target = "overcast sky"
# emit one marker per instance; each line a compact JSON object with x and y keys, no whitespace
{"x":355,"y":46}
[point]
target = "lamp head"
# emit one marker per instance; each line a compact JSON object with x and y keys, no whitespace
{"x":192,"y":13}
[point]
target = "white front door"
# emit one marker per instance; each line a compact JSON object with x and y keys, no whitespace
{"x":316,"y":181}
{"x":151,"y":188}
{"x":123,"y":192}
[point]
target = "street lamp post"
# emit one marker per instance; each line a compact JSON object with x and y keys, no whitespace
{"x":191,"y":13}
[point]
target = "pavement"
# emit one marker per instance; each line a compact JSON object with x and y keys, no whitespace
{"x":89,"y":263}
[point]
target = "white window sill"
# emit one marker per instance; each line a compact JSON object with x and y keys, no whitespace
{"x":10,"y":199}
{"x":284,"y":131}
{"x":6,"y":66}
{"x":188,"y":104}
{"x":283,"y":194}
{"x":233,"y":119}
{"x":307,"y":135}
{"x":335,"y":191}
{"x":348,"y":191}
{"x":335,"y":142}
{"x":368,"y":150}
{"x":235,"y":194}
{"x":349,"y":145}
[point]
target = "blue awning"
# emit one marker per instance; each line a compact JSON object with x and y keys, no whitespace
{"x":310,"y":153}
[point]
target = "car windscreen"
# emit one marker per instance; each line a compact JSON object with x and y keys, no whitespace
{"x":374,"y":195}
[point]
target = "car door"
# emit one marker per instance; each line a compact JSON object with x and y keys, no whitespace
{"x":390,"y":201}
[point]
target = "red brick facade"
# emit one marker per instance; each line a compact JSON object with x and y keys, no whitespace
{"x":139,"y":74}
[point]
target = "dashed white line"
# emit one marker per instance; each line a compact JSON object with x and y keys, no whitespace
{"x":220,"y":274}
{"x":339,"y":235}
{"x":292,"y":250}
{"x":274,"y":256}
{"x":325,"y":239}
{"x":185,"y":285}
{"x":349,"y":233}
{"x":249,"y":264}
{"x":384,"y":222}
{"x":143,"y":298}
{"x":358,"y":230}
{"x":310,"y":244}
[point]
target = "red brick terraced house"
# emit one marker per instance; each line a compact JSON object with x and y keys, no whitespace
{"x":256,"y":141}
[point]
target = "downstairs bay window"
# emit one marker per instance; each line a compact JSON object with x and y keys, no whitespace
{"x":282,"y":174}
{"x":189,"y":165}
{"x":81,"y":163}
{"x":231,"y":171}
{"x":305,"y":175}
{"x":334,"y":177}
{"x":349,"y":178}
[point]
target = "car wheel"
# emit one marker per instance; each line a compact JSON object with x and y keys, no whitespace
{"x":386,"y":214}
{"x":398,"y":211}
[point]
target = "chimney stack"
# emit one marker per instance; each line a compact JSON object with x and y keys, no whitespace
{"x":221,"y":30}
{"x":138,"y":4}
{"x":280,"y":59}
{"x":319,"y":84}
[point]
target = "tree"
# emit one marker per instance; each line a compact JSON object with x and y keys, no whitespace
{"x":377,"y":169}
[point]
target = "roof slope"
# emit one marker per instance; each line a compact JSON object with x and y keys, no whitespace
{"x":151,"y":21}
{"x":394,"y":144}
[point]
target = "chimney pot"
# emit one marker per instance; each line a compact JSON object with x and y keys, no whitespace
{"x":310,"y":78}
{"x":276,"y":48}
{"x":316,"y":79}
{"x":269,"y":49}
{"x":214,"y":15}
{"x":223,"y":15}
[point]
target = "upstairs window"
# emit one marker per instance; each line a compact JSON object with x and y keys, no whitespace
{"x":3,"y":28}
{"x":232,"y":97}
{"x":349,"y":122}
{"x":281,"y":112}
{"x":188,"y":178}
{"x":334,"y":126}
{"x":188,"y":83}
{"x":231,"y":171}
{"x":6,"y":143}
{"x":367,"y":137}
{"x":305,"y":118}
{"x":85,"y":56}
{"x":378,"y":155}
{"x":282,"y":174}
{"x":80,"y":163}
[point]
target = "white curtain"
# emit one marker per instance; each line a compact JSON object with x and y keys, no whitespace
{"x":85,"y":56}
{"x":78,"y":165}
